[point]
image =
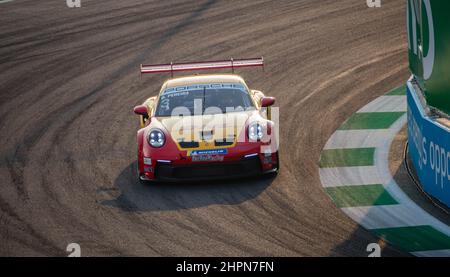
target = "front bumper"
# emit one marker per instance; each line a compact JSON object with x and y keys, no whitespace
{"x":190,"y":171}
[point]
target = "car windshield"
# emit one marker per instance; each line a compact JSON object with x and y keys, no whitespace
{"x":203,"y":99}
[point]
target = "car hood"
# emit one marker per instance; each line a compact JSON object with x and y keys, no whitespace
{"x":228,"y":126}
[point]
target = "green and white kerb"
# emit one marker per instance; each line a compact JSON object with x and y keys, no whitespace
{"x":354,"y":172}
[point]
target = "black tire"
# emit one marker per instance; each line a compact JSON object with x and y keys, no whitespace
{"x":138,"y":175}
{"x":274,"y":173}
{"x":278,"y":164}
{"x":143,"y":182}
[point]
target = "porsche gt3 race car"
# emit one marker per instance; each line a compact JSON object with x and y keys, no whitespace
{"x":206,"y":126}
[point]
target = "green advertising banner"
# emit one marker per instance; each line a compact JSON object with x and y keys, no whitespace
{"x":428,"y":25}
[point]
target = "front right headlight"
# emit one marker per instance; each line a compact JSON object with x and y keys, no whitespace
{"x":156,"y":138}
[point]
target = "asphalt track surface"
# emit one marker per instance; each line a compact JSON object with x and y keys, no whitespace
{"x":69,"y":81}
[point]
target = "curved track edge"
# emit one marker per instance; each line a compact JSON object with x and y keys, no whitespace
{"x":354,"y":172}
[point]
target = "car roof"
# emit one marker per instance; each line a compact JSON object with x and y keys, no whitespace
{"x":202,"y":79}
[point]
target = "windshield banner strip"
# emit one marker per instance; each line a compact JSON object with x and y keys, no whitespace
{"x":203,"y":86}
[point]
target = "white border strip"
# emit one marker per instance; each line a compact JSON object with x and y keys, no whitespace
{"x":386,"y":104}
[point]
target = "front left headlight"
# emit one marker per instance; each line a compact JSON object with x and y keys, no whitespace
{"x":156,"y":138}
{"x":255,"y":132}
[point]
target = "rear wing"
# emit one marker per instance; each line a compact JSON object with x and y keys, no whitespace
{"x":207,"y":65}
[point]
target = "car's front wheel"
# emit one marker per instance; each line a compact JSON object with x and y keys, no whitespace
{"x":274,"y":171}
{"x":140,"y":176}
{"x":277,"y":168}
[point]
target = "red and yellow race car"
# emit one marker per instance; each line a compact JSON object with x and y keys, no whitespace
{"x":206,"y":126}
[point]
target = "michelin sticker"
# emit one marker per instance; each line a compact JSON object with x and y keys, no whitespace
{"x":209,"y":152}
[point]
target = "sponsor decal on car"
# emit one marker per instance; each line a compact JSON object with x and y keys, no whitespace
{"x":208,"y":152}
{"x":207,"y":158}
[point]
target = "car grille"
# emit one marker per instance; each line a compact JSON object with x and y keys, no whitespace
{"x":189,"y":144}
{"x":223,"y":143}
{"x":247,"y":167}
{"x":195,"y":144}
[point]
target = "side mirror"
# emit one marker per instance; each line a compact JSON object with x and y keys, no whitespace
{"x":141,"y":110}
{"x":267,"y":101}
